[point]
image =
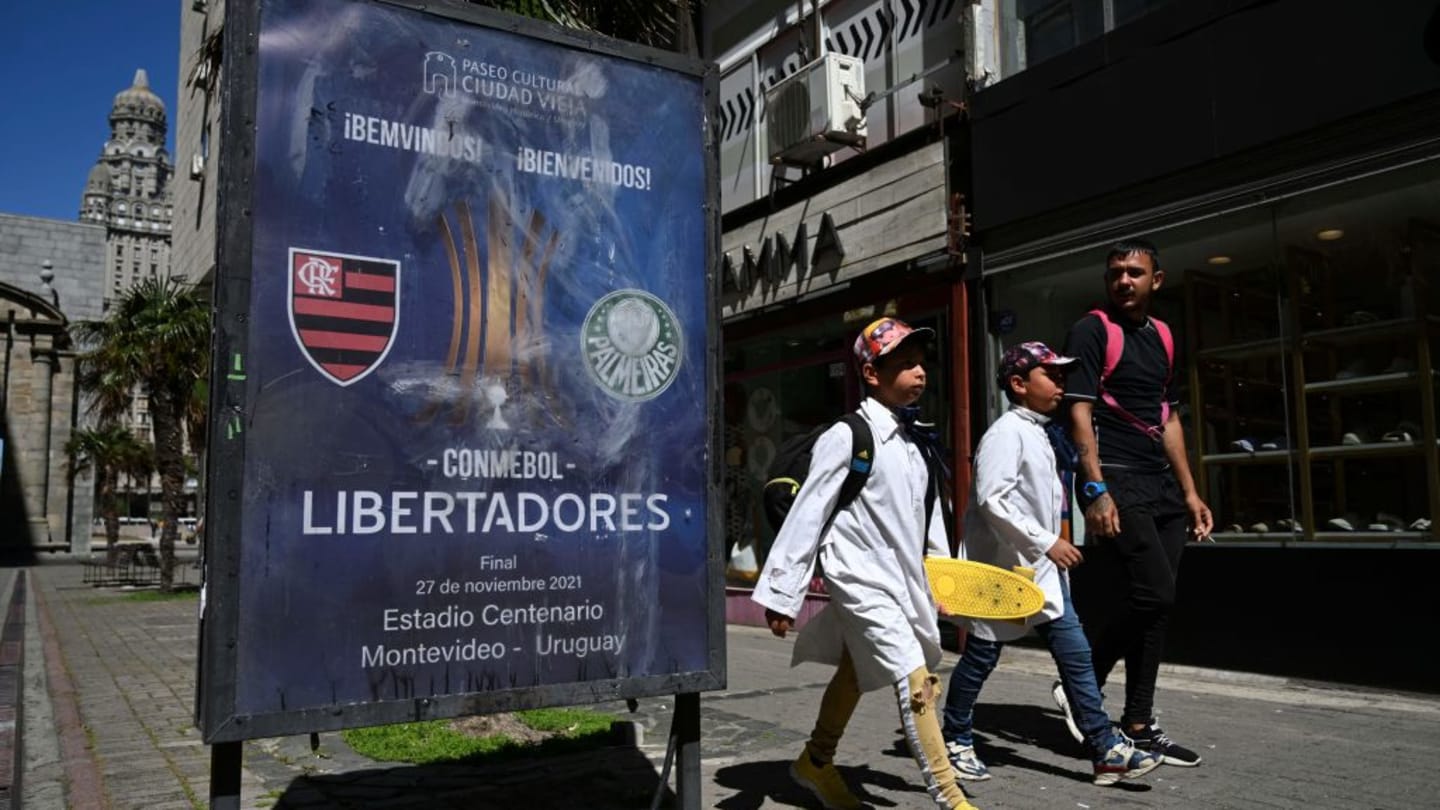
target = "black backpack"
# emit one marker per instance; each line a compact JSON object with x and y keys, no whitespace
{"x":792,"y":463}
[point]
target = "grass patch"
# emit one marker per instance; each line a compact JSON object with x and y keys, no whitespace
{"x":144,"y":596}
{"x":493,"y":737}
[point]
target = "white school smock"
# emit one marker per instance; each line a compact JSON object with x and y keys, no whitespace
{"x":872,"y":555}
{"x":1013,"y":517}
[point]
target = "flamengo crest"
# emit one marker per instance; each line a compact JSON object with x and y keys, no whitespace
{"x":344,"y":311}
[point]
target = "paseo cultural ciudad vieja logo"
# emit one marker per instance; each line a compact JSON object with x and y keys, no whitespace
{"x":444,"y":75}
{"x":631,"y":343}
{"x":344,"y":311}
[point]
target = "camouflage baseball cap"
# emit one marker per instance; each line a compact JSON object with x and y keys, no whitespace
{"x":882,"y":337}
{"x":1020,"y":358}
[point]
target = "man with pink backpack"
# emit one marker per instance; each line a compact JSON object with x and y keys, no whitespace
{"x":1134,"y":485}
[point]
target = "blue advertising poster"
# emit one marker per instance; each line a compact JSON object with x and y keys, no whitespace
{"x":475,"y":428}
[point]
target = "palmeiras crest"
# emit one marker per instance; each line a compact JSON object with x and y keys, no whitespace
{"x":344,"y":311}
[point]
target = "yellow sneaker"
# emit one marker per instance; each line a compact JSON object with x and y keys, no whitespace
{"x":824,"y":782}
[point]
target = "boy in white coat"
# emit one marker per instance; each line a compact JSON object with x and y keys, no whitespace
{"x":1013,"y":519}
{"x":880,"y":627}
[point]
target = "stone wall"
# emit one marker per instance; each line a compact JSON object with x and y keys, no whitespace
{"x":39,"y":511}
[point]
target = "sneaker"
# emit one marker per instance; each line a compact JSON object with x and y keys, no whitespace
{"x":967,"y":766}
{"x":1057,"y":691}
{"x":1124,"y":761}
{"x":1386,"y":522}
{"x":824,"y":782}
{"x":1152,"y":740}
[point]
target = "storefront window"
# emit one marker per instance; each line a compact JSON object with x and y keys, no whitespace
{"x":1036,"y":30}
{"x":1307,"y":334}
{"x":785,"y":383}
{"x":1362,"y":263}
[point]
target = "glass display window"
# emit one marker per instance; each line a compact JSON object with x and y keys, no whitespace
{"x":1306,"y":329}
{"x":783,"y":383}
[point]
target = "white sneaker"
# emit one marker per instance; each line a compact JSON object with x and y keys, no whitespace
{"x":967,"y":766}
{"x":1057,"y":691}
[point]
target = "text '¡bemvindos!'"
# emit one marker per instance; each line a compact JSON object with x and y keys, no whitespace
{"x":368,"y":512}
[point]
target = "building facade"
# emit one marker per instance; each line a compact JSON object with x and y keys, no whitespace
{"x":197,"y":120}
{"x":830,"y":220}
{"x":51,"y":275}
{"x":128,"y":190}
{"x":1288,"y":167}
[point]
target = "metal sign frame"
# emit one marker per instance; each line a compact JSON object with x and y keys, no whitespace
{"x":221,"y":612}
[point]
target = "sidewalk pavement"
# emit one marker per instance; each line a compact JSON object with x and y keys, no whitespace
{"x":110,"y":690}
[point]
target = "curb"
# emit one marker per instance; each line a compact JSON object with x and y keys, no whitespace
{"x":85,"y":787}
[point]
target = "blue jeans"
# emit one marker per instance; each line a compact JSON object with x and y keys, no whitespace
{"x":1068,"y":646}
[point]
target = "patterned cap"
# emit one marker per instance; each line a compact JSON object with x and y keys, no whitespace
{"x":1022,"y":357}
{"x":882,"y":336}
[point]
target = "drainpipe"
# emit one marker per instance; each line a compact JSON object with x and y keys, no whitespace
{"x":960,"y":410}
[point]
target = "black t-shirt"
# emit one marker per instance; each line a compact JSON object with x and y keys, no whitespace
{"x":1140,"y":380}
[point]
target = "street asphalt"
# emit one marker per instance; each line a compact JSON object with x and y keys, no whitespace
{"x":109,"y":694}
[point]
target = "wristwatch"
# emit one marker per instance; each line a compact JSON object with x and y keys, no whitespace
{"x":1093,"y":490}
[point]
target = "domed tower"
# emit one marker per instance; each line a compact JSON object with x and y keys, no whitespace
{"x":129,"y":189}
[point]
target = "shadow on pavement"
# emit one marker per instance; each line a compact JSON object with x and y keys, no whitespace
{"x":1001,"y":727}
{"x":769,"y":781}
{"x":612,"y":778}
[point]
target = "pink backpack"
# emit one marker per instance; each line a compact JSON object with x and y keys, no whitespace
{"x":1114,"y":346}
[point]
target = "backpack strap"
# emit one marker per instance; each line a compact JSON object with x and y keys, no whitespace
{"x":1114,"y":347}
{"x":1114,"y":344}
{"x":862,"y":458}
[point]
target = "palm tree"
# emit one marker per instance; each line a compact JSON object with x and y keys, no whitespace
{"x":112,"y":451}
{"x":156,"y":340}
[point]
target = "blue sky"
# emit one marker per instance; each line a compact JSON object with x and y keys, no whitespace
{"x":61,"y":64}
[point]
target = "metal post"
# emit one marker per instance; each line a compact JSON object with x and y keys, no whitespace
{"x":687,"y":755}
{"x":225,"y":761}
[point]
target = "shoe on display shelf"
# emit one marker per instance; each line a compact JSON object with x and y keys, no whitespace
{"x":1360,"y":317}
{"x":1403,"y":432}
{"x":1400,"y":365}
{"x":1386,"y":522}
{"x":1359,"y":367}
{"x":1360,"y":435}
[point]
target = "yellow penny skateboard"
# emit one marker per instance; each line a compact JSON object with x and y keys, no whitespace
{"x":980,"y":591}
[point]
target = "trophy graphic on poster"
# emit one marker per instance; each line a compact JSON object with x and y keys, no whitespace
{"x":495,"y":394}
{"x":498,"y":294}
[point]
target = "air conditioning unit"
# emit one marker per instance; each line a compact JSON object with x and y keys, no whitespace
{"x":816,"y":110}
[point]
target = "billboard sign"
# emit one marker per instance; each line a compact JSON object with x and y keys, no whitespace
{"x":460,"y":454}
